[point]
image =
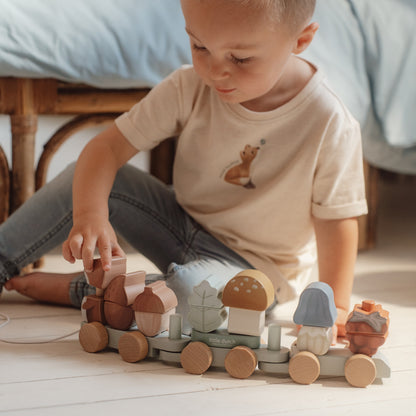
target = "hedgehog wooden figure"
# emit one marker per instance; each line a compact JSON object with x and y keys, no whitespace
{"x":367,"y":328}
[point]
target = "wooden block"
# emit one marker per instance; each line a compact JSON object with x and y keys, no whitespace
{"x":249,"y":289}
{"x":151,"y":323}
{"x":134,"y":285}
{"x":118,"y":316}
{"x":304,"y":367}
{"x":124,"y":289}
{"x":175,"y":326}
{"x":101,"y":279}
{"x":207,"y":311}
{"x":246,"y":321}
{"x":92,"y":308}
{"x":93,"y":337}
{"x":153,"y":307}
{"x":240,"y":362}
{"x":316,"y":306}
{"x":156,"y":298}
{"x":196,"y":358}
{"x":222,"y":339}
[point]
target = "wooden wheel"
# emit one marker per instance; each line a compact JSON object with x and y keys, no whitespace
{"x":133,"y":346}
{"x":196,"y":358}
{"x":360,"y":370}
{"x":241,"y":362}
{"x":304,"y":367}
{"x":93,"y":337}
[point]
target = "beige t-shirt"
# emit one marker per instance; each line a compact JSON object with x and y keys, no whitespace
{"x":254,"y":180}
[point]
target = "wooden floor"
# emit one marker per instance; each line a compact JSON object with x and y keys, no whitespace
{"x":59,"y":378}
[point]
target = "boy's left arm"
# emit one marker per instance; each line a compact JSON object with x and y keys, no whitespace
{"x":337,"y":243}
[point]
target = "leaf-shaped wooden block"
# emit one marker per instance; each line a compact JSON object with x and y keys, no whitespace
{"x":207,"y":311}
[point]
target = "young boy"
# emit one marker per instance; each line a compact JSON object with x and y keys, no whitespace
{"x":267,"y":158}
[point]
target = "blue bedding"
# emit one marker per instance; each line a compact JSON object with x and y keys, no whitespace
{"x":366,"y":47}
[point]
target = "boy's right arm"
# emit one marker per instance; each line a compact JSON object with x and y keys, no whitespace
{"x":94,"y":176}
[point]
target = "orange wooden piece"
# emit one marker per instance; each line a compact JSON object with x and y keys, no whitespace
{"x":367,"y":328}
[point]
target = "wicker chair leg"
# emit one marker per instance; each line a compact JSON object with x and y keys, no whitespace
{"x":4,"y":186}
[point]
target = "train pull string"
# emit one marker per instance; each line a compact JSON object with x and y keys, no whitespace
{"x":47,"y":341}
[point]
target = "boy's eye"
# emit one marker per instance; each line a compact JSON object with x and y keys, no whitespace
{"x":239,"y":61}
{"x":198,"y":48}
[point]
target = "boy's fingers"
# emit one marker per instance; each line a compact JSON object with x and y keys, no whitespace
{"x":66,"y":252}
{"x":106,"y":254}
{"x":88,"y":249}
{"x":76,"y":245}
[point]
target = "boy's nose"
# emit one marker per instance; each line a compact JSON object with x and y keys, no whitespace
{"x":218,"y":70}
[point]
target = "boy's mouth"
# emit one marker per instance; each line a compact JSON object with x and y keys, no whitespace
{"x":224,"y":90}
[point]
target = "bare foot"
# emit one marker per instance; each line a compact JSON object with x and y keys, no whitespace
{"x":44,"y":287}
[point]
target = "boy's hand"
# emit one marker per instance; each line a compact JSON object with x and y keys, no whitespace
{"x":88,"y":233}
{"x":338,"y":330}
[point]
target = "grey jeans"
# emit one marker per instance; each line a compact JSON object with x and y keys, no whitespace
{"x":144,"y":212}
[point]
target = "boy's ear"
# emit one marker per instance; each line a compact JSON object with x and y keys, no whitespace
{"x":305,"y":38}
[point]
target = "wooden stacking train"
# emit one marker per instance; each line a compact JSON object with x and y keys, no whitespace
{"x":140,"y":322}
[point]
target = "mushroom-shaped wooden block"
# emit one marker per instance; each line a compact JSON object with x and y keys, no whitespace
{"x":248,"y":294}
{"x":153,"y":307}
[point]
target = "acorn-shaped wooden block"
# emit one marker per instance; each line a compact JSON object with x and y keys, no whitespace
{"x":153,"y":307}
{"x":367,"y":328}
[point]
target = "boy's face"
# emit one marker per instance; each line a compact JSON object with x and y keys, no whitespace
{"x":237,"y":52}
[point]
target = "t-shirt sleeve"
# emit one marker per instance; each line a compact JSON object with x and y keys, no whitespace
{"x":339,"y":189}
{"x":156,"y":117}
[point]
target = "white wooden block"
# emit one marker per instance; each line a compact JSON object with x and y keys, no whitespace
{"x":246,"y":321}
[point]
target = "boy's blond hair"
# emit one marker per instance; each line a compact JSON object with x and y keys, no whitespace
{"x":292,"y":13}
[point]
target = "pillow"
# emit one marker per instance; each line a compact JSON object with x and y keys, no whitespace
{"x":388,"y":28}
{"x":104,"y":43}
{"x":338,"y":48}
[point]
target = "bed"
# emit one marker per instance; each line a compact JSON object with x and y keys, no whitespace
{"x":95,"y":58}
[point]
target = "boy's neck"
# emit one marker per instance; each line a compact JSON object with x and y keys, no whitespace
{"x":297,"y":74}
